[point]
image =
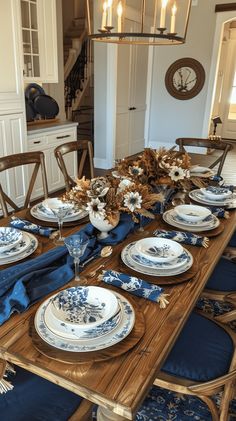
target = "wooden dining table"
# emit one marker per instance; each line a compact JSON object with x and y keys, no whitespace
{"x":119,"y":384}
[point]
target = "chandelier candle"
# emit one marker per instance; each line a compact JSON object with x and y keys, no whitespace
{"x":172,"y":22}
{"x":163,"y":14}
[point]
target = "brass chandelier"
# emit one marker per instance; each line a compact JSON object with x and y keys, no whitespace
{"x":147,"y":22}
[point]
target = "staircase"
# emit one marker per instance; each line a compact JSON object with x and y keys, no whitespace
{"x":78,"y":76}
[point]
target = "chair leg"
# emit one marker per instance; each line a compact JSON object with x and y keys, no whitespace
{"x":90,"y":152}
{"x":212,"y":407}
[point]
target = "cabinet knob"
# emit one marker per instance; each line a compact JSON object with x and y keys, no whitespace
{"x":37,"y":141}
{"x":132,"y":108}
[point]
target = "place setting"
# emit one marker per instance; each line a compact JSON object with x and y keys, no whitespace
{"x":162,"y":260}
{"x":193,"y":218}
{"x":86,"y":323}
{"x":213,"y":195}
{"x":15,"y":245}
{"x":55,"y":212}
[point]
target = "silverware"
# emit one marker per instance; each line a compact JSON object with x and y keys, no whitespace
{"x":94,"y":272}
{"x":105,"y":252}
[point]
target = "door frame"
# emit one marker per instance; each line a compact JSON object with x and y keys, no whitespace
{"x":221,"y":19}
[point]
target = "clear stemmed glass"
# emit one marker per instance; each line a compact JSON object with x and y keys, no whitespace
{"x":76,"y":246}
{"x":60,"y":210}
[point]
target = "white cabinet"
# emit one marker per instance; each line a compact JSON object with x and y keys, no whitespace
{"x":11,"y":91}
{"x":47,"y":140}
{"x":132,"y":65}
{"x":39,"y":40}
{"x":12,"y":141}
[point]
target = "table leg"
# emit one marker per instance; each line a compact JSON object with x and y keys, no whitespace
{"x":104,"y":414}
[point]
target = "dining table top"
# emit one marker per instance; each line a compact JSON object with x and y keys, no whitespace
{"x":121,"y":382}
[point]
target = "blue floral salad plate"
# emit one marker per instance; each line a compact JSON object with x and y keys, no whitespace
{"x":23,"y":249}
{"x":150,"y":268}
{"x":120,"y":332}
{"x":9,"y":237}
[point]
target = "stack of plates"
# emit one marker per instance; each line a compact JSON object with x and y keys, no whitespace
{"x":191,"y":218}
{"x":44,"y":211}
{"x":198,"y":171}
{"x":83,"y":319}
{"x":216,"y":196}
{"x":157,"y":257}
{"x":15,"y":245}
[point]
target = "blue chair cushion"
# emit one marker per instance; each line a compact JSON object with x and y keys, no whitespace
{"x":202,"y":352}
{"x":232,"y":242}
{"x":36,"y":399}
{"x":223,"y":277}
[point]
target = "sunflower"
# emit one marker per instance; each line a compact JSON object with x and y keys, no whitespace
{"x":96,"y":208}
{"x":177,"y":173}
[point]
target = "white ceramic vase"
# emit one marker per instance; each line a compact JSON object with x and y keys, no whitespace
{"x":103,"y":225}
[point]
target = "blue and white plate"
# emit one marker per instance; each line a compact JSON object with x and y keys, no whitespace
{"x":70,"y":332}
{"x":198,"y":196}
{"x":32,"y":244}
{"x":153,"y":271}
{"x":173,"y":264}
{"x":173,"y":219}
{"x":36,"y":212}
{"x":216,"y":192}
{"x":84,"y":307}
{"x":18,"y":248}
{"x":80,"y":345}
{"x":9,"y":237}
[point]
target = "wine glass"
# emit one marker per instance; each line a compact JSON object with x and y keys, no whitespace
{"x":60,"y":210}
{"x":76,"y":246}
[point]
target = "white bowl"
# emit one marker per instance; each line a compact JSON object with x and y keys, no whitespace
{"x":192,"y":213}
{"x":9,"y":237}
{"x":54,"y":204}
{"x":216,"y":193}
{"x":159,"y":249}
{"x":84,"y":307}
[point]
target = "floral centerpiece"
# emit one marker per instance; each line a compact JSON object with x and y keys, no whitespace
{"x":160,"y":167}
{"x":105,"y":197}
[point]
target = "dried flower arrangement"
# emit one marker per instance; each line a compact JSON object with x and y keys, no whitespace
{"x":103,"y":197}
{"x":160,"y":167}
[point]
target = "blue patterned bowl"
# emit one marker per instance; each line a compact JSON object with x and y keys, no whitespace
{"x":216,"y":193}
{"x":84,"y":307}
{"x":9,"y":237}
{"x":192,"y":213}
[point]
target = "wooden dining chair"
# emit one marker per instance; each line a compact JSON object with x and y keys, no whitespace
{"x":202,"y":363}
{"x":16,"y":160}
{"x":83,"y":146}
{"x":221,"y":287}
{"x":205,"y":160}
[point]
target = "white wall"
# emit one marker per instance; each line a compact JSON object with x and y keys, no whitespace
{"x":171,"y":118}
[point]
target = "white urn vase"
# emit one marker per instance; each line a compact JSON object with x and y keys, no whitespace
{"x":103,"y":225}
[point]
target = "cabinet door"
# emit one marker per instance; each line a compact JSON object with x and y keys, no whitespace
{"x":39,"y":37}
{"x":48,"y":41}
{"x":12,"y":141}
{"x":131,"y":97}
{"x":11,"y":93}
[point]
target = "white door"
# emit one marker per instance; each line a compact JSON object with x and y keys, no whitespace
{"x":228,"y":100}
{"x":131,"y":97}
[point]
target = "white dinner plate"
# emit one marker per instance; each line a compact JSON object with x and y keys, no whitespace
{"x":125,"y":256}
{"x":170,"y":218}
{"x":34,"y":212}
{"x":198,"y":196}
{"x":33,"y":244}
{"x":80,"y":345}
